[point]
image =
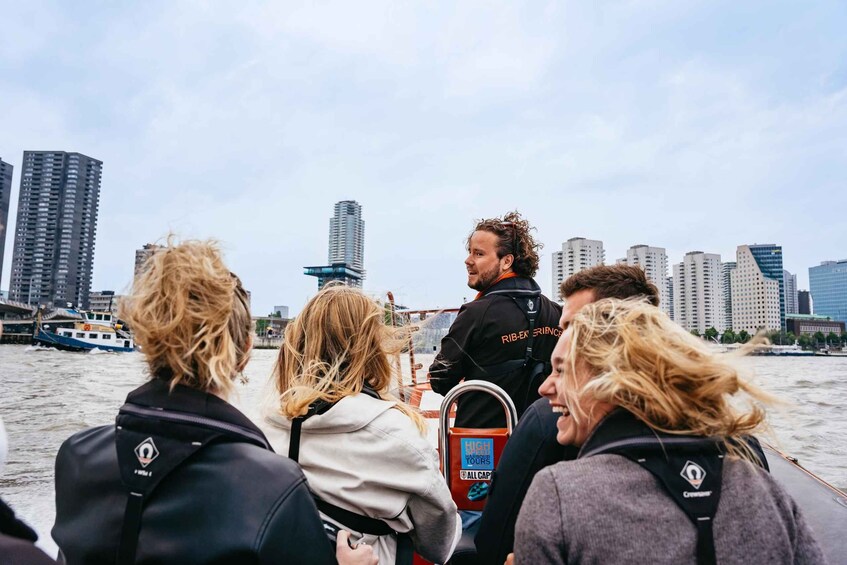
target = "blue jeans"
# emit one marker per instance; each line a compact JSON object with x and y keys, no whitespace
{"x":470,"y":518}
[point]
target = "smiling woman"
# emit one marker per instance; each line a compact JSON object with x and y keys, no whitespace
{"x":660,"y":422}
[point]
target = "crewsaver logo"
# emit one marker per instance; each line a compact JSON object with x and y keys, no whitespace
{"x":693,"y":473}
{"x":146,"y":452}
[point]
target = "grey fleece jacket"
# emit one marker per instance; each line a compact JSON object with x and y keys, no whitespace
{"x":607,"y":509}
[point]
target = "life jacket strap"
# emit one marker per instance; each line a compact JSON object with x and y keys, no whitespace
{"x":689,"y":468}
{"x":130,"y":528}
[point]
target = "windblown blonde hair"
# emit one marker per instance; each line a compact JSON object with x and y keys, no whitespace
{"x":191,"y":317}
{"x":337,"y":344}
{"x":642,"y":361}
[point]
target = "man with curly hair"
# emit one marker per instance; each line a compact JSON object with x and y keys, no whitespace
{"x":507,"y":333}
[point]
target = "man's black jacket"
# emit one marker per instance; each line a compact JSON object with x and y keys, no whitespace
{"x":489,"y":331}
{"x":532,"y":447}
{"x":221,"y":495}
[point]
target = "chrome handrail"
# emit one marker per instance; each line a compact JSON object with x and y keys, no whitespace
{"x":450,"y":399}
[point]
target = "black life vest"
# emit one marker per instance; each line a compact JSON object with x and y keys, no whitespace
{"x":358,"y":522}
{"x":529,"y":303}
{"x":170,"y":437}
{"x":689,"y":468}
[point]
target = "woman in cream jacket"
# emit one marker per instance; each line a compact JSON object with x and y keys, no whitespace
{"x":361,"y":449}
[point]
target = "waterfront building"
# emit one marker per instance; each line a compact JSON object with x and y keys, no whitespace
{"x":654,"y":261}
{"x":576,"y":255}
{"x":346,"y":247}
{"x":758,"y":296}
{"x":805,"y":324}
{"x":5,"y":196}
{"x":347,"y":235}
{"x":726,"y":285}
{"x":53,"y":254}
{"x":698,"y":296}
{"x":790,"y":284}
{"x":671,"y":307}
{"x":104,"y":301}
{"x":281,"y":311}
{"x":828,"y":287}
{"x":804,"y":302}
{"x":141,"y":256}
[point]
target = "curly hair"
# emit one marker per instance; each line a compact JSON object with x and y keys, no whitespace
{"x":191,"y":317}
{"x":513,"y":238}
{"x":338,"y":344}
{"x":640,"y":360}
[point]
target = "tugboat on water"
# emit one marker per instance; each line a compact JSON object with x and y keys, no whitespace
{"x":95,"y":330}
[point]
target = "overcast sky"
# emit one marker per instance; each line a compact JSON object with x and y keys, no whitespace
{"x":686,"y":125}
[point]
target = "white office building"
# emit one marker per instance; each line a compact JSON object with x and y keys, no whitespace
{"x":576,"y":255}
{"x":755,"y":297}
{"x":698,"y":293}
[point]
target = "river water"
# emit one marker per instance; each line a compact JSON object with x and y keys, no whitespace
{"x":48,"y":395}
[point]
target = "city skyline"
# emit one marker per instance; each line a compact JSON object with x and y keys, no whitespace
{"x":723,"y":125}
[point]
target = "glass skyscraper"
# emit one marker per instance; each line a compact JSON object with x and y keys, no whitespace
{"x":828,"y":286}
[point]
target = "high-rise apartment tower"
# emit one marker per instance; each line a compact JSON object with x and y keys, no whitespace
{"x":577,"y":254}
{"x":55,"y":232}
{"x":347,"y":235}
{"x":697,"y":293}
{"x":5,"y":195}
{"x":654,"y":261}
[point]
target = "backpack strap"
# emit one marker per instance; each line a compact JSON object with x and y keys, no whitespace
{"x":358,"y":522}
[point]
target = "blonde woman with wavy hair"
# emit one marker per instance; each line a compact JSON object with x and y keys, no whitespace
{"x":181,"y":465}
{"x":362,"y":450}
{"x":668,"y":471}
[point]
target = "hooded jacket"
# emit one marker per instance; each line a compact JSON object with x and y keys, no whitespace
{"x":221,"y":495}
{"x":366,"y":457}
{"x":489,"y":332}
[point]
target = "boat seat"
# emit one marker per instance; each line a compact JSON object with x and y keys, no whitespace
{"x":465,"y":552}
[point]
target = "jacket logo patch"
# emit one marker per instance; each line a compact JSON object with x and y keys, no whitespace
{"x":146,"y":452}
{"x":693,"y":473}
